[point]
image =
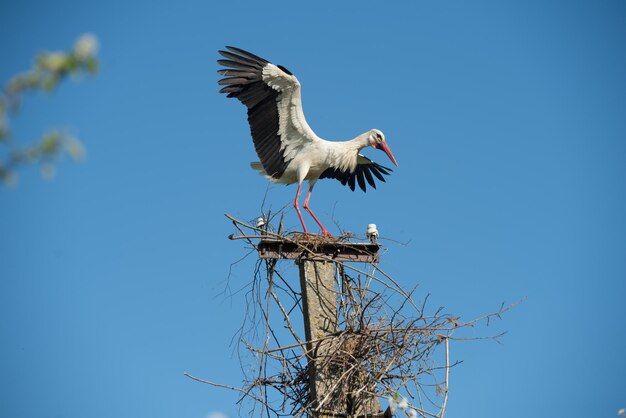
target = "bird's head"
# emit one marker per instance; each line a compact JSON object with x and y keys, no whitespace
{"x":377,"y":140}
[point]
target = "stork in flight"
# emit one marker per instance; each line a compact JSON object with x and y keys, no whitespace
{"x":290,"y":152}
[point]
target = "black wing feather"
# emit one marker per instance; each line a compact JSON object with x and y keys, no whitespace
{"x":369,"y":178}
{"x":244,"y":81}
{"x":237,"y":73}
{"x":377,"y":173}
{"x":235,"y":81}
{"x":360,"y":179}
{"x":241,"y":60}
{"x":363,"y":171}
{"x":236,"y":64}
{"x":243,"y":53}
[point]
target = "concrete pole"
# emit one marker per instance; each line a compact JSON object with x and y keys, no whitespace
{"x":319,"y":298}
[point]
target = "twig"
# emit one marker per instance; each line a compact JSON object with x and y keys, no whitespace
{"x":220,"y":385}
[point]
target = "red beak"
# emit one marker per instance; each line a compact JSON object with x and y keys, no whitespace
{"x":383,"y":146}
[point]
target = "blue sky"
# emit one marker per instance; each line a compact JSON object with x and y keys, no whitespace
{"x":508,"y":122}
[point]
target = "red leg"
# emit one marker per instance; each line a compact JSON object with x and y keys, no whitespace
{"x":295,"y":205}
{"x":306,"y":206}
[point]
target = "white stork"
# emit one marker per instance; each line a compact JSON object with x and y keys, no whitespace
{"x":290,"y":152}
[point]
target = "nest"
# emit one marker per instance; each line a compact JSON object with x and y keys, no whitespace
{"x":378,"y":344}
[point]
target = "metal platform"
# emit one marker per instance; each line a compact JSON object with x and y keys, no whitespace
{"x":355,"y":252}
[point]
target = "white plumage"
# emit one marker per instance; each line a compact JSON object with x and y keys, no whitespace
{"x":288,"y":149}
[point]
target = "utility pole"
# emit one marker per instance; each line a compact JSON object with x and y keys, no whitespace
{"x":317,"y":265}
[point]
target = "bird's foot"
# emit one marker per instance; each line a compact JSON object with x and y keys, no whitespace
{"x":325,"y":233}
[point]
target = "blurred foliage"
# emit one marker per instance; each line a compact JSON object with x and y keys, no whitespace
{"x":49,"y":70}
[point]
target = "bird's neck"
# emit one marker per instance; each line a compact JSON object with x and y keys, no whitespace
{"x":343,"y":154}
{"x":360,"y":141}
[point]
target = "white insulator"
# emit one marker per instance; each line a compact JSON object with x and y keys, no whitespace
{"x":260,"y":222}
{"x":372,"y":232}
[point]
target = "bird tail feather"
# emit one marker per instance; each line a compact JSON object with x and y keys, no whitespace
{"x":259,"y":167}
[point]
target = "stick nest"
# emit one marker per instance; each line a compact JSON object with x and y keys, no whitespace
{"x":381,"y":344}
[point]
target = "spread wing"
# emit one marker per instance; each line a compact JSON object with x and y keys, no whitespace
{"x":272,"y":95}
{"x":365,"y":171}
